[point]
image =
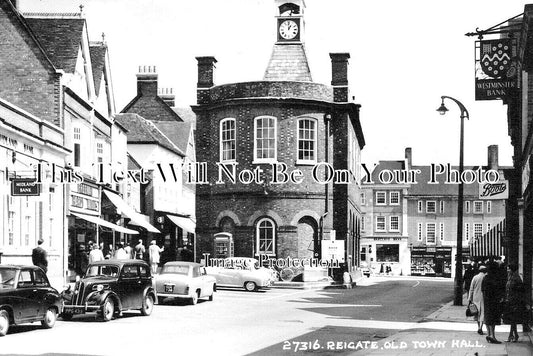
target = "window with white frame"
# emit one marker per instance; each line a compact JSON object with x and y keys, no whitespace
{"x":265,"y":139}
{"x":489,"y":207}
{"x":467,"y":206}
{"x":394,"y":223}
{"x":431,"y":206}
{"x":77,"y":146}
{"x":431,"y":233}
{"x":307,"y":138}
{"x":363,"y":224}
{"x":394,"y":198}
{"x":99,"y":152}
{"x":478,"y":230}
{"x":228,"y":140}
{"x":420,"y":206}
{"x":441,"y":206}
{"x":27,"y":228}
{"x":441,"y":231}
{"x":467,"y":232}
{"x":363,"y":199}
{"x":488,"y":227}
{"x":381,"y":198}
{"x":419,"y":232}
{"x":265,"y":236}
{"x":380,"y":223}
{"x":478,"y":207}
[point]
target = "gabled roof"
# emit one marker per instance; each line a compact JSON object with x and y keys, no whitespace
{"x":151,"y":107}
{"x":143,"y":131}
{"x":132,"y":163}
{"x":185,"y":113}
{"x":288,"y":62}
{"x":98,"y":51}
{"x":60,"y":38}
{"x":177,"y":132}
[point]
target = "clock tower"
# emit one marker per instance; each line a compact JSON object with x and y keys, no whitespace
{"x":289,"y":22}
{"x":289,"y":60}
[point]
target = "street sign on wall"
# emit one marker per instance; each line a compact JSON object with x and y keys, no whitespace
{"x":25,"y":187}
{"x":333,"y":250}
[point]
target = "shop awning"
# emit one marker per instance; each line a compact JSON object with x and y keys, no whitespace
{"x":490,"y":244}
{"x":135,"y":217}
{"x":98,"y":221}
{"x":185,"y":223}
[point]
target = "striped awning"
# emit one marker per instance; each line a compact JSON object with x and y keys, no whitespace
{"x":490,"y":244}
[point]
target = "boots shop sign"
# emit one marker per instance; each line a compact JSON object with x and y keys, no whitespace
{"x":494,"y":191}
{"x":496,"y":69}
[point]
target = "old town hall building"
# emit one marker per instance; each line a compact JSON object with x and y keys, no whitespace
{"x":285,"y":120}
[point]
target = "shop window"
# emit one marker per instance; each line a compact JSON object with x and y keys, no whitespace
{"x":265,"y":235}
{"x":478,"y":207}
{"x":394,"y":198}
{"x":307,"y":141}
{"x":388,"y":253}
{"x":381,"y":198}
{"x":431,"y":206}
{"x":380,"y":223}
{"x":430,"y":233}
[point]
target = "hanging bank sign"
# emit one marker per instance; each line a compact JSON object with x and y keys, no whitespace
{"x":496,"y":69}
{"x":24,"y":187}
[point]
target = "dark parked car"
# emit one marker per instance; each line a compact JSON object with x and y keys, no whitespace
{"x":26,"y":296}
{"x":110,"y":287}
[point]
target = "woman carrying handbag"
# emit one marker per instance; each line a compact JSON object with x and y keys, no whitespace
{"x":514,"y":307}
{"x":475,"y":296}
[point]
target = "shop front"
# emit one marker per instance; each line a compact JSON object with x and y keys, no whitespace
{"x":431,"y":261}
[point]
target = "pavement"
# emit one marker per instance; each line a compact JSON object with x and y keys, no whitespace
{"x":448,"y":331}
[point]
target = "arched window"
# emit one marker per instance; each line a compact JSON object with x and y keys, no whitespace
{"x":265,"y":232}
{"x":228,"y":140}
{"x":307,"y":141}
{"x":265,"y":139}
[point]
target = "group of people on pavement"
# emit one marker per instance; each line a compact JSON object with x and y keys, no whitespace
{"x":498,"y":293}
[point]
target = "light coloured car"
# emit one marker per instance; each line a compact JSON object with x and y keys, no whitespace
{"x":186,"y":280}
{"x":242,"y":272}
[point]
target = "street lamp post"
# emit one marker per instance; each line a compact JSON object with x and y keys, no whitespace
{"x":458,"y":286}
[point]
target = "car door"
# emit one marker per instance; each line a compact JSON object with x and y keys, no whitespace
{"x":146,"y":278}
{"x":28,"y":302}
{"x":205,"y":282}
{"x":129,"y":286}
{"x":41,"y":291}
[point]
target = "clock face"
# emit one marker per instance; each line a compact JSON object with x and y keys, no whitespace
{"x":288,"y":29}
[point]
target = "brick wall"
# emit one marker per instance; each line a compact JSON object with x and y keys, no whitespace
{"x":28,"y":79}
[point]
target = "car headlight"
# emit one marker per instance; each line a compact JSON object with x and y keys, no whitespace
{"x":99,"y":287}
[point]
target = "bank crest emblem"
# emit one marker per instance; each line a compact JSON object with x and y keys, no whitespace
{"x":495,"y":57}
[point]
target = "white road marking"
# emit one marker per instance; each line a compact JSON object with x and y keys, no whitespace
{"x":417,"y":283}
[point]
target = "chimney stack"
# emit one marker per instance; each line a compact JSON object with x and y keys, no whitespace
{"x":147,"y":81}
{"x":493,"y":157}
{"x":339,"y":76}
{"x":167,"y":94}
{"x":408,"y":157}
{"x":206,"y":73}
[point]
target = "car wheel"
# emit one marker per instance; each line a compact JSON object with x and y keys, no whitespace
{"x":108,"y":309}
{"x":66,"y":316}
{"x":4,"y":322}
{"x":194,"y":298}
{"x":49,"y":318}
{"x":148,"y":305}
{"x":250,"y":286}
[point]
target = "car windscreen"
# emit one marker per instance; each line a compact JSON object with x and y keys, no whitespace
{"x":176,"y":269}
{"x":7,"y":278}
{"x":102,"y":270}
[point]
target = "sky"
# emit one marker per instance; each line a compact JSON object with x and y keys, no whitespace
{"x":404,"y":56}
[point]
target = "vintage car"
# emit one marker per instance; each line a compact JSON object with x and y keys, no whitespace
{"x":110,"y":287}
{"x":186,"y":280}
{"x":26,"y":296}
{"x":243,"y":272}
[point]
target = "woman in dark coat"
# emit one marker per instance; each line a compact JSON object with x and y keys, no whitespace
{"x":514,"y":306}
{"x":493,"y":294}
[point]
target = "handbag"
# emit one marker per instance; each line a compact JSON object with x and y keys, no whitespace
{"x":471,"y":309}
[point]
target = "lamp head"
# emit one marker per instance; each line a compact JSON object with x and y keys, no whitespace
{"x":442,"y":109}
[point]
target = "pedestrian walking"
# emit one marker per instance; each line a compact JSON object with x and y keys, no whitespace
{"x":154,"y":254}
{"x":493,"y":294}
{"x":514,"y":308}
{"x":475,"y":295}
{"x":39,"y":256}
{"x":120,"y":254}
{"x":139,"y":250}
{"x":129,"y":250}
{"x":96,"y":254}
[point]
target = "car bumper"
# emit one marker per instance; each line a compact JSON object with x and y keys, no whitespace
{"x":171,"y":295}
